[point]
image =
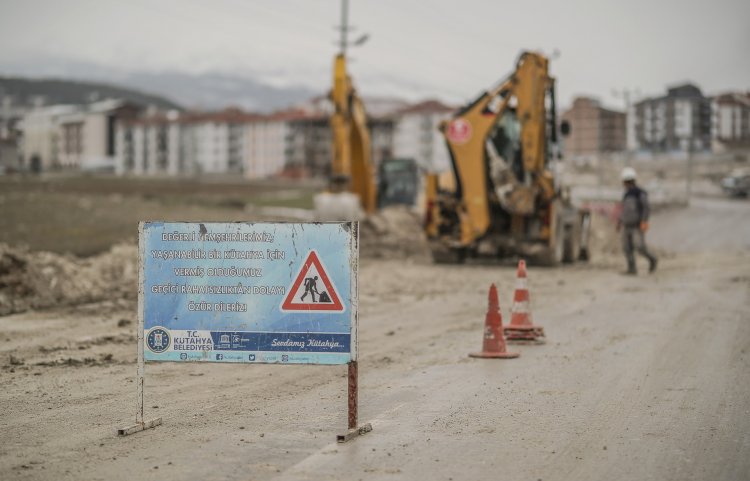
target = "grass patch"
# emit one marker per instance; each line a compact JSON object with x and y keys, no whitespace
{"x":85,"y":215}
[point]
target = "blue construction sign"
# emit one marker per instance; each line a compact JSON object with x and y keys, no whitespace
{"x":249,"y":292}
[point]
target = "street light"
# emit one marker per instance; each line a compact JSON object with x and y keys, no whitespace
{"x":361,"y":40}
{"x":344,"y":28}
{"x":625,"y":94}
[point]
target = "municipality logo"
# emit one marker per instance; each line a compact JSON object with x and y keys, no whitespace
{"x":158,"y":340}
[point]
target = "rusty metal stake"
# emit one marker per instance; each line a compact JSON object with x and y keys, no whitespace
{"x":353,"y":403}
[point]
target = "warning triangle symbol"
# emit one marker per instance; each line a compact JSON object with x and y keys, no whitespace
{"x":312,"y":290}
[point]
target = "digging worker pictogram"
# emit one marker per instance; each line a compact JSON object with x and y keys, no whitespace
{"x":310,"y":288}
{"x":634,"y":222}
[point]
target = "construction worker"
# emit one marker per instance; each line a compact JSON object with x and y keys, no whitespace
{"x":634,"y":222}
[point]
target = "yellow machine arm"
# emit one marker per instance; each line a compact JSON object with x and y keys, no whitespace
{"x":467,"y":135}
{"x":352,"y":168}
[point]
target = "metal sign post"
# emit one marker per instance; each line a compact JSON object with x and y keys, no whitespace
{"x":140,"y":425}
{"x":353,"y":403}
{"x":352,"y":397}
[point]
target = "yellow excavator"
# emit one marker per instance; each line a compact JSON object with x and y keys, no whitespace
{"x":352,"y":189}
{"x":503,"y":196}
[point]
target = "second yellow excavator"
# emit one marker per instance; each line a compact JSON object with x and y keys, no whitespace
{"x":352,"y":190}
{"x":504,"y":196}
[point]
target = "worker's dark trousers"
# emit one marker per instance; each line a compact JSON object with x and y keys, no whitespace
{"x":633,"y":240}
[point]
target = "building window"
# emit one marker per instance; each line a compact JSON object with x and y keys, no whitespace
{"x":111,"y":121}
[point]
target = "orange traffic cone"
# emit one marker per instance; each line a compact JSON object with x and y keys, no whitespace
{"x":494,"y":344}
{"x":521,"y":327}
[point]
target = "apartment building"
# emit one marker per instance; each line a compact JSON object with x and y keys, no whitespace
{"x":307,"y":142}
{"x":416,"y":135}
{"x":730,"y":121}
{"x":230,"y":141}
{"x":293,"y":142}
{"x":150,"y":145}
{"x":218,"y":140}
{"x":310,"y":143}
{"x":677,"y":121}
{"x":594,"y":129}
{"x":188,"y":143}
{"x":11,"y":113}
{"x":40,"y":142}
{"x":74,"y":136}
{"x":10,"y":160}
{"x":266,"y":139}
{"x":87,"y":136}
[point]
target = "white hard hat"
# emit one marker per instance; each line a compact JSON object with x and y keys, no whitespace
{"x":628,"y":173}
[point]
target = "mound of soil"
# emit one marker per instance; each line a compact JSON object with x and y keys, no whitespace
{"x":43,"y":279}
{"x":393,"y":233}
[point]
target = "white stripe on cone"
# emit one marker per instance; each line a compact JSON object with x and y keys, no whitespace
{"x":520,"y":307}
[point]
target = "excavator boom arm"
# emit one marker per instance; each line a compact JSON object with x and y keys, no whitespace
{"x":466,"y":136}
{"x":468,"y":132}
{"x":351,"y":167}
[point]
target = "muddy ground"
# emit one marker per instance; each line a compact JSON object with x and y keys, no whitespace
{"x":640,"y":378}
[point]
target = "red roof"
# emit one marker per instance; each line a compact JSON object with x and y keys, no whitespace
{"x":427,"y":107}
{"x":229,"y":115}
{"x":154,"y":119}
{"x":294,"y":114}
{"x":734,"y":98}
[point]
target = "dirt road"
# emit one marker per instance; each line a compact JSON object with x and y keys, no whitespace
{"x":641,"y":378}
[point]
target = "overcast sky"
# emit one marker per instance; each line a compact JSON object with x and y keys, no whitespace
{"x":418,"y":48}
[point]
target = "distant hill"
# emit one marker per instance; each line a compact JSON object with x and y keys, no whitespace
{"x":216,"y":90}
{"x":205,"y":91}
{"x":54,"y":91}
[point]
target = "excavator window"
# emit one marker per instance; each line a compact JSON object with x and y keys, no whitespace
{"x":506,"y":141}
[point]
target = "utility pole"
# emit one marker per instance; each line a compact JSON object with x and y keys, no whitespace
{"x":344,"y":27}
{"x":689,"y":180}
{"x":627,"y":95}
{"x":344,"y":30}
